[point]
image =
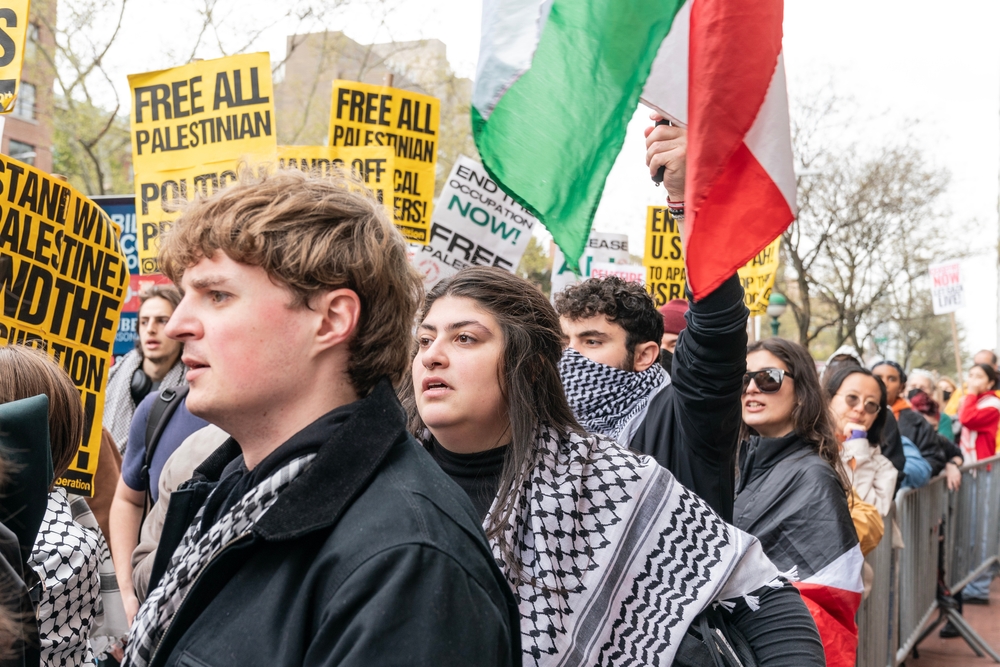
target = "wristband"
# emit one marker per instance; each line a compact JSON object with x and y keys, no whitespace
{"x":676,"y":208}
{"x":855,"y":435}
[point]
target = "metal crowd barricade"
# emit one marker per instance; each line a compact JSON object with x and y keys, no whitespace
{"x":974,"y":528}
{"x":960,"y":531}
{"x":921,"y":512}
{"x":876,"y":618}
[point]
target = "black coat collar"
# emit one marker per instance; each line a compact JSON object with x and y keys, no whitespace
{"x":759,"y":455}
{"x":345,"y":462}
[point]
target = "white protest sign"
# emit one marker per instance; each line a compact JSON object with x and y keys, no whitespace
{"x":602,"y":248}
{"x":947,"y":293}
{"x":475,"y":223}
{"x":627,"y":272}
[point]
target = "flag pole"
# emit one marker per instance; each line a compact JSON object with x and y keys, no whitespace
{"x":954,"y":341}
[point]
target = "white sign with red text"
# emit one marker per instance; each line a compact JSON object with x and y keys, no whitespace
{"x":627,"y":272}
{"x":602,"y":248}
{"x":947,"y":292}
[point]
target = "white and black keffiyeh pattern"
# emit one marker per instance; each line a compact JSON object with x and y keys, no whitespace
{"x":118,"y":404}
{"x":71,"y":559}
{"x":194,"y":552}
{"x":605,"y":399}
{"x":110,"y":625}
{"x":617,"y":558}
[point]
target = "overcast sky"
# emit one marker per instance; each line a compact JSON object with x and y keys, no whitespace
{"x":909,"y":69}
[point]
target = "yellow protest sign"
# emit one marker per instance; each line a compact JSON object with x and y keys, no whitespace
{"x":758,"y":277}
{"x":365,"y":115}
{"x":191,"y":127}
{"x":375,"y":165}
{"x":63,"y":281}
{"x":663,"y":256}
{"x":13,"y":33}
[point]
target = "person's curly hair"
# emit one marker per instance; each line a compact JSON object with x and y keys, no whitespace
{"x":626,"y":304}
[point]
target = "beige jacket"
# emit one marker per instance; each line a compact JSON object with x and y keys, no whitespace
{"x":177,"y":470}
{"x":871,"y":474}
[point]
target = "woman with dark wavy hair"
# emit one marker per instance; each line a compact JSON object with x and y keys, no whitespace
{"x":608,"y":556}
{"x":792,"y":492}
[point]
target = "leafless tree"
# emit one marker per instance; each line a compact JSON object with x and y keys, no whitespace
{"x":869,"y":223}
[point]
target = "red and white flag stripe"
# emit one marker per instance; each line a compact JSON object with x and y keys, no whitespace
{"x":720,"y":72}
{"x":833,"y":596}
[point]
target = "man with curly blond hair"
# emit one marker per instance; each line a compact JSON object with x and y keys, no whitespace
{"x":320,"y":533}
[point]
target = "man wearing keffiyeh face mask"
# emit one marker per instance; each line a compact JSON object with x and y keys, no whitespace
{"x":687,"y":420}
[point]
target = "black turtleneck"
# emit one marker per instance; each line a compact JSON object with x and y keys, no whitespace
{"x":478,"y":474}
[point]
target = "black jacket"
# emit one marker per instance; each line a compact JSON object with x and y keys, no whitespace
{"x":372,"y":556}
{"x":892,"y":445}
{"x":792,"y":501}
{"x":692,"y":426}
{"x":933,"y":447}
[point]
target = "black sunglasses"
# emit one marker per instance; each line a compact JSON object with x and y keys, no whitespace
{"x":871,"y":407}
{"x":768,"y":380}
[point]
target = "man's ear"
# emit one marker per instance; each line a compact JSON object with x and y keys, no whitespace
{"x":646,"y":354}
{"x":339,"y":311}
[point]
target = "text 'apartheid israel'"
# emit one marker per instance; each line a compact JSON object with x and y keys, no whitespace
{"x":407,"y":122}
{"x":63,"y":281}
{"x":191,"y":127}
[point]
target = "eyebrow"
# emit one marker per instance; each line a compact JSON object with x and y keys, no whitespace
{"x":208,"y":281}
{"x":457,"y":325}
{"x":592,"y":333}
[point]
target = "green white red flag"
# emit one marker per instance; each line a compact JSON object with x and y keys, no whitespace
{"x":558,"y":81}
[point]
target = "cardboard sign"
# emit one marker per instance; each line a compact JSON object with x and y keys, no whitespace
{"x":365,"y":115}
{"x":758,"y":277}
{"x":663,"y":256}
{"x":627,"y":272}
{"x":947,"y":291}
{"x":191,"y":127}
{"x":601,"y":248}
{"x":13,"y":34}
{"x":475,"y":224}
{"x":63,"y":279}
{"x":375,"y":165}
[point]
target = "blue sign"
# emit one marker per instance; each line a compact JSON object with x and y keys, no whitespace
{"x":121,"y":210}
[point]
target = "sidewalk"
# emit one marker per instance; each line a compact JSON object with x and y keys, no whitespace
{"x":937,"y":652}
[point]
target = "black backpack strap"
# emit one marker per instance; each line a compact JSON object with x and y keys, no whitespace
{"x":159,"y":416}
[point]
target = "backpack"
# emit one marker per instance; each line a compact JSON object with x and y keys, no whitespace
{"x":159,"y":416}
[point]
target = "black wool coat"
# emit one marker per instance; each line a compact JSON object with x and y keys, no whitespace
{"x":692,"y":426}
{"x":371,"y":556}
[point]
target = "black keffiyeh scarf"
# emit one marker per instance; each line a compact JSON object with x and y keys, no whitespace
{"x":617,"y":557}
{"x":194,"y":552}
{"x":609,"y":400}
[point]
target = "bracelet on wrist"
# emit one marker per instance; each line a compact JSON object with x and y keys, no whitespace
{"x":676,"y":208}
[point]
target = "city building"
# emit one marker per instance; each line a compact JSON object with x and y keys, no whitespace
{"x":27,"y":130}
{"x":304,"y":87}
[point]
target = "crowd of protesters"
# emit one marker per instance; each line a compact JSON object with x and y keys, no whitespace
{"x":286,"y":477}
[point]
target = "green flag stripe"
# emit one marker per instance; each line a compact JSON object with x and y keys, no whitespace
{"x":553,"y":137}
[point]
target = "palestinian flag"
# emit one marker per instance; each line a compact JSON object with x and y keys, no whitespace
{"x":792,"y":504}
{"x":558,"y":81}
{"x":833,"y":595}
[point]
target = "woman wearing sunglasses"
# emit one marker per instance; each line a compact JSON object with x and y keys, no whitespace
{"x":792,"y":492}
{"x":610,"y":558}
{"x":858,"y":408}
